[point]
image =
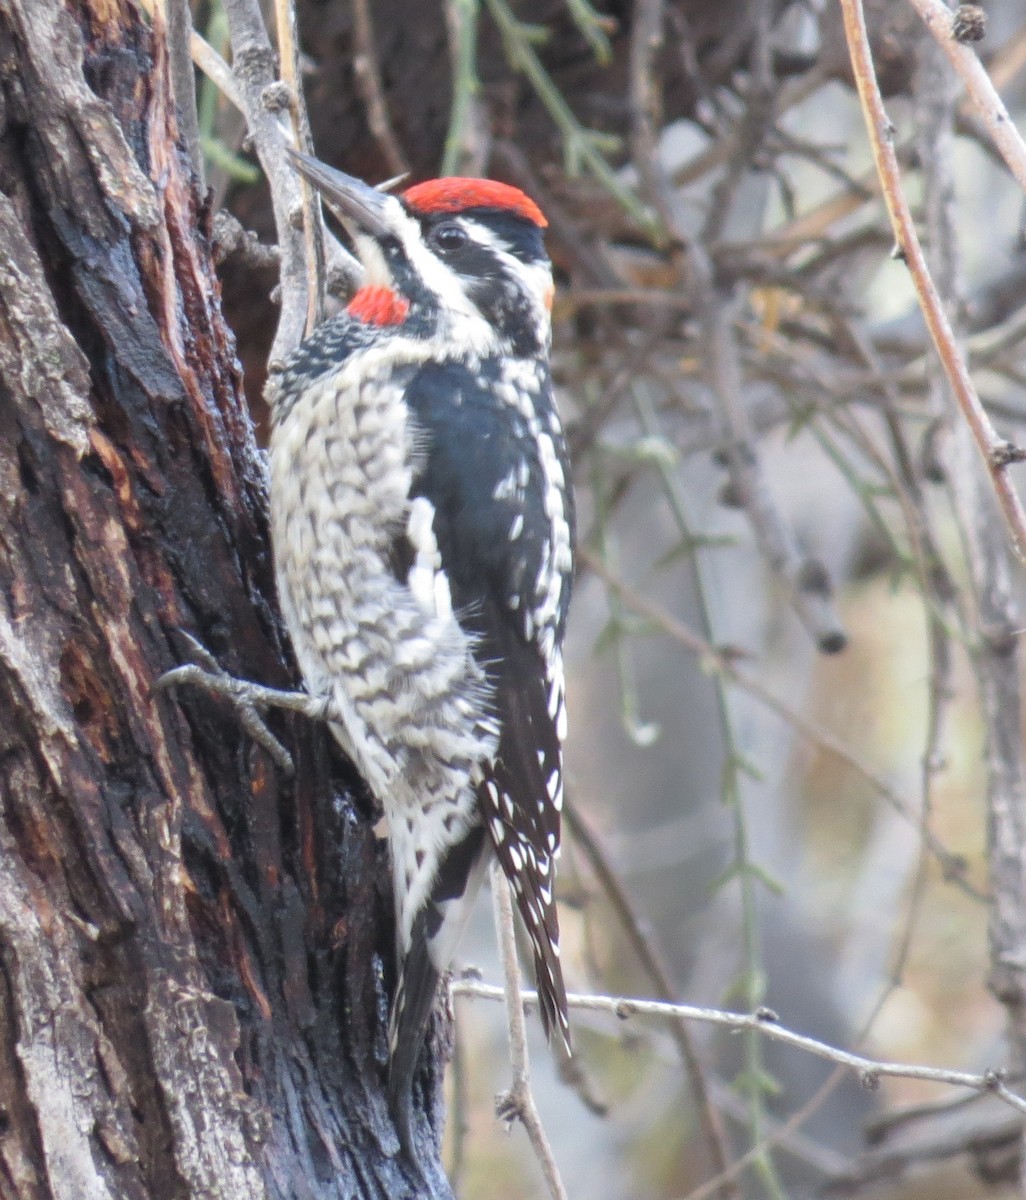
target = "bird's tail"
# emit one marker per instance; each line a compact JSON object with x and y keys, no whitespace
{"x":434,"y":935}
{"x":411,"y":1010}
{"x":541,"y":919}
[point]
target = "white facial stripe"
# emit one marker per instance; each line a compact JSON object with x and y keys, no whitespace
{"x":474,"y":331}
{"x":535,"y":279}
{"x":476,"y":334}
{"x":375,"y":269}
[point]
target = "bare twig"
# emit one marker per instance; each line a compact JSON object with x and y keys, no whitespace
{"x":255,"y":74}
{"x":807,"y":583}
{"x":712,"y":1125}
{"x":935,"y":112}
{"x":780,"y":1136}
{"x":990,"y":1139}
{"x":745,"y":872}
{"x":725,"y":661}
{"x":766,"y":1023}
{"x":997,"y":454}
{"x":997,"y":658}
{"x":367,"y":73}
{"x":940,"y":610}
{"x":646,"y":107}
{"x":215,"y":68}
{"x":468,"y":139}
{"x":785,"y":1134}
{"x":981,"y":91}
{"x":821,"y":219}
{"x":884,"y":1125}
{"x":581,"y":146}
{"x":231,"y":237}
{"x":518,"y":1103}
{"x":598,"y":297}
{"x":806,"y":580}
{"x":457,"y":1163}
{"x":313,"y":226}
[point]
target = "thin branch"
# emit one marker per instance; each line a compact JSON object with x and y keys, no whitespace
{"x":939,"y":593}
{"x":254,"y":69}
{"x":934,"y":110}
{"x":997,"y":453}
{"x":595,"y":27}
{"x":880,"y":1126}
{"x":807,"y":584}
{"x":780,"y":1136}
{"x":724,"y":661}
{"x":646,"y":107}
{"x":313,"y":225}
{"x":784,"y":1135}
{"x":988,"y":1135}
{"x":367,"y":73}
{"x":819,"y":220}
{"x":997,"y":659}
{"x":1009,"y":59}
{"x":468,"y":138}
{"x":518,"y":1103}
{"x":806,"y":580}
{"x":582,"y":297}
{"x":981,"y":91}
{"x":712,"y":1125}
{"x":215,"y":68}
{"x":743,"y":868}
{"x":231,"y":237}
{"x":766,"y":1023}
{"x":458,"y":1109}
{"x":580,"y":146}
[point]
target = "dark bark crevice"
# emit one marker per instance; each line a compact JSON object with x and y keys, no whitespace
{"x":195,"y":954}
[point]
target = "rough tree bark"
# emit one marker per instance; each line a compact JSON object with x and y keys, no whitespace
{"x":194,"y":953}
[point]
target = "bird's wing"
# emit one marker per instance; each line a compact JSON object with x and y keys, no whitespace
{"x":495,"y":478}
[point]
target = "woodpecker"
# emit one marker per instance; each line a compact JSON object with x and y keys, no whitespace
{"x":423,"y":530}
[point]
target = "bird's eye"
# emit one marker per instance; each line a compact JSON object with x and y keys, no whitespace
{"x":449,"y":237}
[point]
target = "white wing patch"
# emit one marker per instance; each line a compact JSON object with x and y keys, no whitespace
{"x":426,"y":580}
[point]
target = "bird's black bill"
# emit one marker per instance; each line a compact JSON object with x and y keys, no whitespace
{"x":357,"y":205}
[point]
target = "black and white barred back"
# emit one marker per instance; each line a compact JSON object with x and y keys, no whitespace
{"x":423,"y":528}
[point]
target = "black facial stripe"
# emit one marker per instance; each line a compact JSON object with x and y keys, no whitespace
{"x":407,"y":282}
{"x":475,"y":262}
{"x":509,"y":309}
{"x":522,"y":238}
{"x":519,"y":236}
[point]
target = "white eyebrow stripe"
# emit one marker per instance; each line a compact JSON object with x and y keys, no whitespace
{"x":535,"y":278}
{"x":475,"y":333}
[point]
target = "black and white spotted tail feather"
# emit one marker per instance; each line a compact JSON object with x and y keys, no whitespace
{"x":521,"y":799}
{"x":411,"y":1011}
{"x":531,"y":878}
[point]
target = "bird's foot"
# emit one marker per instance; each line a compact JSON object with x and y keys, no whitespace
{"x":250,"y":700}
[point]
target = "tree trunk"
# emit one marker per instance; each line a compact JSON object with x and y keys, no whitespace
{"x":194,"y":952}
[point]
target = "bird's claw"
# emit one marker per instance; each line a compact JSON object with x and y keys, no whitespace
{"x":249,"y":700}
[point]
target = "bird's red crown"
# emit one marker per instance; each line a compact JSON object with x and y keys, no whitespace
{"x":457,"y":195}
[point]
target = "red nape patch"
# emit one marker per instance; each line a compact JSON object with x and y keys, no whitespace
{"x":457,"y":195}
{"x":378,"y":306}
